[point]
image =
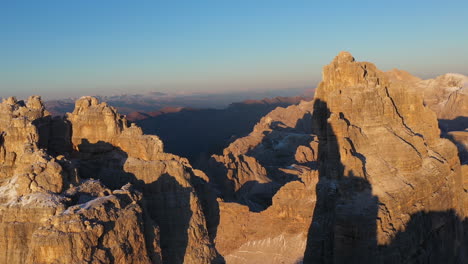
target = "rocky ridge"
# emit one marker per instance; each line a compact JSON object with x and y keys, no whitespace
{"x":53,"y":212}
{"x":374,"y":161}
{"x":381,"y":164}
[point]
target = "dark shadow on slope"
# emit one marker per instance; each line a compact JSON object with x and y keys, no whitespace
{"x":165,"y":200}
{"x":254,"y":194}
{"x":103,"y":161}
{"x":257,"y":196}
{"x":343,"y":228}
{"x":169,"y":207}
{"x":462,"y":150}
{"x":430,"y":237}
{"x":460,"y":123}
{"x":54,"y":134}
{"x":275,"y":152}
{"x":208,"y":197}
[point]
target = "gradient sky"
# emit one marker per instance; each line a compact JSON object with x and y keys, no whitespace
{"x":68,"y":48}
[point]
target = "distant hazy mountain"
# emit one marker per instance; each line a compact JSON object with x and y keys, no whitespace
{"x":155,"y":101}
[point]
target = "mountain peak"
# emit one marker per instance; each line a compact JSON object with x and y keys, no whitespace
{"x":344,"y":56}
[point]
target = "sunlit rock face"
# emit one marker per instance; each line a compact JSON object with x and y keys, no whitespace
{"x":382,"y":166}
{"x":379,"y":178}
{"x":116,"y":153}
{"x":251,"y":169}
{"x":98,"y":127}
{"x":50,"y":213}
{"x":446,"y":95}
{"x":267,"y":182}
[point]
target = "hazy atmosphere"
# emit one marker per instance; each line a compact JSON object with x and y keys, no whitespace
{"x":62,"y":48}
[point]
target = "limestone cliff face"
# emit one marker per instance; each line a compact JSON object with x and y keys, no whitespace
{"x":115,"y":152}
{"x":251,"y":168}
{"x":98,"y":127}
{"x":51,"y":214}
{"x":107,"y":227}
{"x":381,"y":161}
{"x":271,"y":172}
{"x":447,"y":95}
{"x":382,"y":186}
{"x":275,"y":235}
{"x":32,"y":199}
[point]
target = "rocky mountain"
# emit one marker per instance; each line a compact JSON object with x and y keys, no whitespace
{"x":90,"y":188}
{"x":382,"y":165}
{"x":137,"y":116}
{"x":366,"y":157}
{"x":268,"y":178}
{"x":147,"y":102}
{"x":447,"y":96}
{"x":359,"y":174}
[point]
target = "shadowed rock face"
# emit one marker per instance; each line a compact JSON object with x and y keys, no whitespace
{"x":271,"y":173}
{"x":51,"y":214}
{"x":380,"y":161}
{"x":367,"y":159}
{"x":253,"y":168}
{"x":267,"y":182}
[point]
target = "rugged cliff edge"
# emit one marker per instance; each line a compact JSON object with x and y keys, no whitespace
{"x":267,"y":181}
{"x":365,"y":156}
{"x":52,"y":211}
{"x":390,"y":189}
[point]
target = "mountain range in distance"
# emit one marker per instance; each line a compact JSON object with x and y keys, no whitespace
{"x":132,"y":104}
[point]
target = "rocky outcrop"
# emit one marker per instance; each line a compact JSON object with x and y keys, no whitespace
{"x":50,"y":213}
{"x":36,"y":218}
{"x":106,"y":227}
{"x":98,"y":127}
{"x":251,"y":168}
{"x":267,"y":181}
{"x":381,"y":163}
{"x":117,"y":153}
{"x":380,"y":177}
{"x":447,"y":95}
{"x":275,"y":235}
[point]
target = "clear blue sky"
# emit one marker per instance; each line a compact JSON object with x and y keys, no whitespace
{"x":57,"y":48}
